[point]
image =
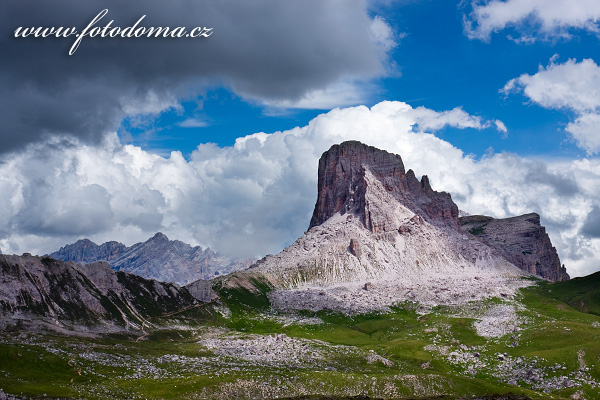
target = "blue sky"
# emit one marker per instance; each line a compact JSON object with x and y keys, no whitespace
{"x":434,"y":64}
{"x":215,"y":141}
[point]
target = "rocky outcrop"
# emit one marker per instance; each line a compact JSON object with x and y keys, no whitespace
{"x":342,"y":187}
{"x":202,"y":290}
{"x":521,"y":240}
{"x":375,"y":223}
{"x":157,"y":258}
{"x":354,"y":248}
{"x":44,"y":292}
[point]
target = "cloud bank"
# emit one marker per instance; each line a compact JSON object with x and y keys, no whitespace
{"x":533,"y":19}
{"x":257,"y":196}
{"x":280,"y":53}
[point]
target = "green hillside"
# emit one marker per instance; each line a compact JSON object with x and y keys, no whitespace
{"x":242,"y":349}
{"x":582,"y":293}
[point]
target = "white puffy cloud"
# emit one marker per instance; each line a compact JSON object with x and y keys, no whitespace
{"x":428,"y":120}
{"x":534,"y":19}
{"x":257,"y":196}
{"x":572,"y":86}
{"x":586,"y":132}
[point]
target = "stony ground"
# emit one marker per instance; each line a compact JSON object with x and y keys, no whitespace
{"x":499,"y":345}
{"x":378,"y":295}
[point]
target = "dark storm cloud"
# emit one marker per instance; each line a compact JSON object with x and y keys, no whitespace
{"x":591,"y":226}
{"x":562,"y":184}
{"x":267,"y":50}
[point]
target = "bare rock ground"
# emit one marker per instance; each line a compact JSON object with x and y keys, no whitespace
{"x":498,"y":320}
{"x":423,"y":266}
{"x":277,"y":349}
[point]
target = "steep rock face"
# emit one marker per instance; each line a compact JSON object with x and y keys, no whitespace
{"x":70,"y":296}
{"x":374,"y":223}
{"x":157,"y":258}
{"x":521,"y":240}
{"x":342,"y":187}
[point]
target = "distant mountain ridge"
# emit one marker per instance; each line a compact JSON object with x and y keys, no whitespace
{"x":157,"y":258}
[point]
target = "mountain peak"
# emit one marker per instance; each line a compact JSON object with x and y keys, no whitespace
{"x":159,"y":236}
{"x":351,"y":173}
{"x":379,"y":235}
{"x":85,"y":242}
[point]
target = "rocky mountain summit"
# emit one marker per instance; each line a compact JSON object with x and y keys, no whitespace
{"x":521,"y":240}
{"x":65,"y":297}
{"x":158,"y":258}
{"x":380,"y":236}
{"x":344,"y":174}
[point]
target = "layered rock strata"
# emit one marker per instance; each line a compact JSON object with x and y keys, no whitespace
{"x":342,"y":188}
{"x":67,"y":296}
{"x":521,"y":240}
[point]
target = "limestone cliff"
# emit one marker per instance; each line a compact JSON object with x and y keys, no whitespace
{"x":521,"y":240}
{"x":342,"y":187}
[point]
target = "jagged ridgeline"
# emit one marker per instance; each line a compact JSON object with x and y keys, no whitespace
{"x":157,"y":258}
{"x":378,"y":236}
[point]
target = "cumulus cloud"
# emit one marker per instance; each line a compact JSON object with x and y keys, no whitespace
{"x":257,"y":196}
{"x":428,"y":120}
{"x":586,"y":132}
{"x":286,"y":52}
{"x":501,"y":127}
{"x":533,"y":19}
{"x":572,"y":86}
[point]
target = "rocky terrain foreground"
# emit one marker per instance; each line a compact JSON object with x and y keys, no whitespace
{"x":157,"y":258}
{"x":388,"y":295}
